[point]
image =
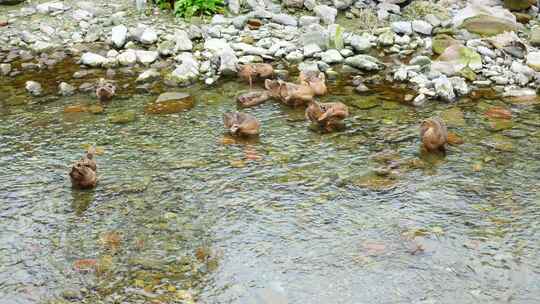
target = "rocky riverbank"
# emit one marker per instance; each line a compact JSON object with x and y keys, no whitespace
{"x":440,"y":50}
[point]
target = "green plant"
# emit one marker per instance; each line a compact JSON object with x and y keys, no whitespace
{"x":189,"y":8}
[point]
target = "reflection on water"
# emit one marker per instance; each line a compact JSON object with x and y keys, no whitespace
{"x":184,"y":212}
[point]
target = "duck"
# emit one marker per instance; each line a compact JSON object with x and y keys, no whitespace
{"x":289,"y":93}
{"x":251,"y":99}
{"x":105,"y":90}
{"x":315,"y":80}
{"x":249,"y":72}
{"x":327,"y":115}
{"x":241,"y":124}
{"x":83,"y":173}
{"x":434,"y":134}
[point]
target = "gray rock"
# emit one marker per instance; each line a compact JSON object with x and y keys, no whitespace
{"x":310,"y":4}
{"x":219,"y":19}
{"x":332,"y":56}
{"x":127,"y":58}
{"x":308,"y":67}
{"x":51,"y":7}
{"x":228,"y":62}
{"x":419,"y":100}
{"x":311,"y":49}
{"x":41,"y":47}
{"x":5,"y":69}
{"x":364,"y":62}
{"x":308,"y":20}
{"x":146,"y":57}
{"x":240,"y":21}
{"x":342,"y":4}
{"x":293,"y":3}
{"x":119,"y":36}
{"x":386,"y":38}
{"x":294,"y":57}
{"x":80,"y":15}
{"x":460,"y":86}
{"x":360,"y":44}
{"x":401,"y":74}
{"x":34,"y":88}
{"x":284,"y":19}
{"x":422,"y":27}
{"x":148,"y":36}
{"x":65,"y":89}
{"x":92,"y":59}
{"x":402,"y":27}
{"x":420,"y":60}
{"x":402,"y":40}
{"x":182,"y":41}
{"x":326,"y":13}
{"x":316,"y":34}
{"x":187,"y":72}
{"x":433,"y":20}
{"x":166,"y":48}
{"x":346,"y":52}
{"x":148,"y":76}
{"x":444,"y":88}
{"x":234,"y":6}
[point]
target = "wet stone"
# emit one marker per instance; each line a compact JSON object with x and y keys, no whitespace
{"x":171,"y":102}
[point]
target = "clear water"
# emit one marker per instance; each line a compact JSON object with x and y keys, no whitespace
{"x":293,"y":217}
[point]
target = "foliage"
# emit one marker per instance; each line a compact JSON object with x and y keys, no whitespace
{"x":189,"y":8}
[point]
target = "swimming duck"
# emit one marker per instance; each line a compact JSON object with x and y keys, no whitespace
{"x":249,"y":72}
{"x":83,"y":172}
{"x":289,"y":93}
{"x":251,"y":99}
{"x":105,"y":90}
{"x":241,"y":124}
{"x":314,"y":80}
{"x":434,"y":134}
{"x":327,"y":115}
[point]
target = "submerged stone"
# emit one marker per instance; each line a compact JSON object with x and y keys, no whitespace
{"x":123,"y":118}
{"x":487,"y":25}
{"x":171,"y":102}
{"x":365,"y":103}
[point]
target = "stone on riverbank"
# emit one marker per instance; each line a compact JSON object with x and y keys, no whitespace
{"x":119,"y":35}
{"x":486,"y":25}
{"x":326,"y":13}
{"x":65,"y":89}
{"x":92,"y":59}
{"x":364,"y":62}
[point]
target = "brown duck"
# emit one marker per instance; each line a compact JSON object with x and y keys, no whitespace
{"x":314,"y":80}
{"x":434,"y":134}
{"x":289,"y":93}
{"x":241,"y":124}
{"x":105,"y":90}
{"x":83,"y":172}
{"x":327,"y":115}
{"x":253,"y":71}
{"x":251,"y":99}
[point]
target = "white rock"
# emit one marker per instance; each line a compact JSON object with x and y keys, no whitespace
{"x":51,"y":7}
{"x":92,"y":59}
{"x":422,"y":27}
{"x":182,"y":41}
{"x":460,"y":86}
{"x":311,"y":49}
{"x":65,"y":89}
{"x":146,"y":57}
{"x":326,"y":13}
{"x":119,"y":35}
{"x":294,"y":57}
{"x":127,"y":58}
{"x":360,"y":44}
{"x":228,"y":62}
{"x":187,"y":71}
{"x":148,"y":36}
{"x":332,"y":56}
{"x":419,"y":100}
{"x":307,"y":20}
{"x":147,"y":76}
{"x":34,"y":88}
{"x":533,"y":60}
{"x":401,"y":74}
{"x":82,"y":15}
{"x":444,"y":88}
{"x":402,"y":27}
{"x":402,"y":40}
{"x":112,"y":53}
{"x":41,"y":47}
{"x":5,"y":69}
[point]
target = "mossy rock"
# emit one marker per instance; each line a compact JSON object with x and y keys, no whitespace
{"x":171,"y":102}
{"x":486,"y":25}
{"x":365,"y":103}
{"x":453,"y":117}
{"x":518,"y":5}
{"x":122,"y":118}
{"x":442,"y":42}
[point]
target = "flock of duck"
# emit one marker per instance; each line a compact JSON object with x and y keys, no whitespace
{"x":328,"y":116}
